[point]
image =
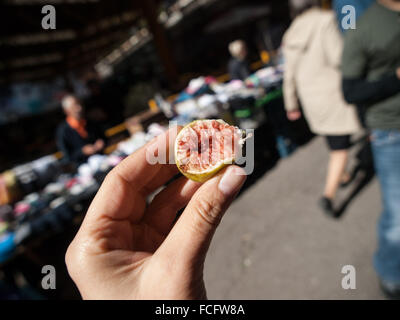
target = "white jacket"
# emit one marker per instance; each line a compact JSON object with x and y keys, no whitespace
{"x":312,"y":49}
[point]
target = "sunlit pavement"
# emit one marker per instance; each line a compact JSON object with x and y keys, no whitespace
{"x":275,"y":243}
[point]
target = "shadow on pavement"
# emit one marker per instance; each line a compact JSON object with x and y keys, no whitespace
{"x":365,"y":169}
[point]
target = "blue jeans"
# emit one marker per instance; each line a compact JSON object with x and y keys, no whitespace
{"x":386,"y":151}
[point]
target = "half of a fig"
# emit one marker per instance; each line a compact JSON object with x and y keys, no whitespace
{"x":203,"y":147}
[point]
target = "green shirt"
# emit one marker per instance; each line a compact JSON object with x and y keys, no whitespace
{"x":371,"y":51}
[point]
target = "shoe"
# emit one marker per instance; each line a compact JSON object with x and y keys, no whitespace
{"x":390,"y":290}
{"x":327,"y":206}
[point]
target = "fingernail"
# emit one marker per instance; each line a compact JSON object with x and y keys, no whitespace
{"x":232,"y":180}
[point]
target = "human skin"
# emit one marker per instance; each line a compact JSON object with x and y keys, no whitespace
{"x":126,"y":249}
{"x":293,"y":115}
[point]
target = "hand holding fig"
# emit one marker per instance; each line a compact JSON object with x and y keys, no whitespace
{"x":127,"y":250}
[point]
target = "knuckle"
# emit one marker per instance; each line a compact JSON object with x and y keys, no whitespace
{"x":208,"y":211}
{"x":70,"y":258}
{"x":75,"y":259}
{"x":111,"y":175}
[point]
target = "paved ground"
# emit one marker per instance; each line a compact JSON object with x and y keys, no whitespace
{"x":274,"y":243}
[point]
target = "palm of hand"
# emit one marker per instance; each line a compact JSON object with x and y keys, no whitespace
{"x":124,"y":245}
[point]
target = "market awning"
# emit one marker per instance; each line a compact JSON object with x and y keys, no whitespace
{"x":86,"y":30}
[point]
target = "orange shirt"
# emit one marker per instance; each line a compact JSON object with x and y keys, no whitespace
{"x":78,"y":125}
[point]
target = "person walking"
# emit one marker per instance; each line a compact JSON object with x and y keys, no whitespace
{"x":312,"y":48}
{"x":371,"y":79}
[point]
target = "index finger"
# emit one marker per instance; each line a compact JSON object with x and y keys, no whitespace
{"x":123,"y":193}
{"x":152,"y":165}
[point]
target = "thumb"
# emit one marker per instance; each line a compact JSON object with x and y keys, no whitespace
{"x":189,"y":240}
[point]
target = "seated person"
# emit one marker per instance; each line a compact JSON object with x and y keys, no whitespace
{"x":237,"y":67}
{"x":76,"y":138}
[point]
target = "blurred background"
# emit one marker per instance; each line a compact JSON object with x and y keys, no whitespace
{"x":133,"y":66}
